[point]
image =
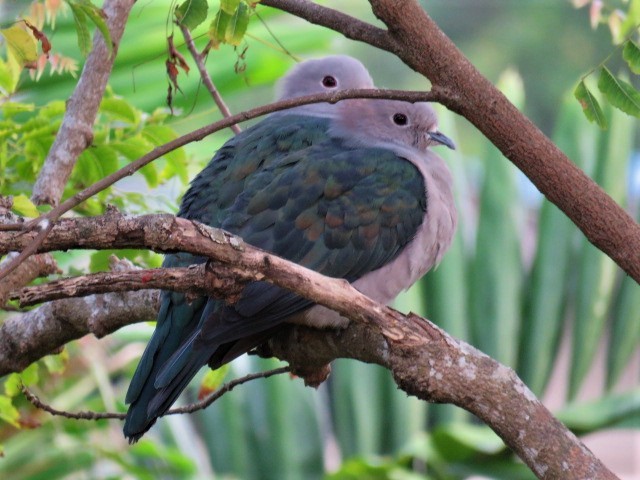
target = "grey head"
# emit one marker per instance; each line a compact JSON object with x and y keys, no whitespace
{"x":327,"y":74}
{"x":390,"y":124}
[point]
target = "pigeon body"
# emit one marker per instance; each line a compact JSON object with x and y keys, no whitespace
{"x":354,"y":194}
{"x":215,"y":189}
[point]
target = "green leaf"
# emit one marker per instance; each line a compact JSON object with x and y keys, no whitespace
{"x":458,"y":441}
{"x":23,"y":206}
{"x":238,"y":25}
{"x":597,"y":273}
{"x":119,"y":109}
{"x":97,"y":16}
{"x":30,"y":375}
{"x":8,"y":412}
{"x":624,"y":336}
{"x":632,"y":19}
{"x":631,"y":55}
{"x":82,"y":28}
{"x":57,"y":363}
{"x":192,"y":13}
{"x":8,"y":78}
{"x":218,"y":27}
{"x":87,"y":169}
{"x":619,"y":93}
{"x":590,"y":105}
{"x":496,"y":275}
{"x":229,"y":6}
{"x":596,"y":415}
{"x":13,"y":385}
{"x":547,"y":286}
{"x":106,"y":158}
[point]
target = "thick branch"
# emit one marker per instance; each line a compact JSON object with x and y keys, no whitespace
{"x":424,"y":360}
{"x":416,"y":39}
{"x":25,"y":338}
{"x":76,"y":131}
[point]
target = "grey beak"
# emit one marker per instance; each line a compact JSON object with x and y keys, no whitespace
{"x":442,"y":139}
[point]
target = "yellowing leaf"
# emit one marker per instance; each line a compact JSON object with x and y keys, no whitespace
{"x":238,"y":25}
{"x":13,"y":385}
{"x":218,"y":27}
{"x":212,"y":381}
{"x":229,"y":6}
{"x":21,"y":45}
{"x":590,"y":105}
{"x":8,"y":412}
{"x":23,"y":206}
{"x":57,"y":363}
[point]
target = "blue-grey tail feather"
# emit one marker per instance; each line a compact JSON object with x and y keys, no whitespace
{"x":177,"y":320}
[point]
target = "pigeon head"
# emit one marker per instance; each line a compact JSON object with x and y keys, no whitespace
{"x":387,"y":123}
{"x":323,"y":75}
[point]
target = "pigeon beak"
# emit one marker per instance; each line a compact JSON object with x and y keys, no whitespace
{"x":441,"y":139}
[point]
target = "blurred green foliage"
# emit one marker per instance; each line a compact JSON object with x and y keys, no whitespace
{"x":517,"y":277}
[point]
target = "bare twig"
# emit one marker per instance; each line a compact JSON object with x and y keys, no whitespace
{"x":227,"y":387}
{"x":44,"y":222}
{"x":206,"y":78}
{"x":83,"y":415}
{"x":76,"y":131}
{"x":191,"y":408}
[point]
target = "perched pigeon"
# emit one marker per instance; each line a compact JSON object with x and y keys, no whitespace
{"x":214,"y":192}
{"x":369,"y":204}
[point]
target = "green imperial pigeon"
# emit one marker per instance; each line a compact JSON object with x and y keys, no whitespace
{"x":212,"y":196}
{"x":369,"y":204}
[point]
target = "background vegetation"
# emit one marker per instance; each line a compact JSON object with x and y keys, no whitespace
{"x":519,"y":281}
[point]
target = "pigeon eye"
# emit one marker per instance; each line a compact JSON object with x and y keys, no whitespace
{"x":400,"y":119}
{"x":329,"y":82}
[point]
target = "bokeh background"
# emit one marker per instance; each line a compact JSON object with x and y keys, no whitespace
{"x":520,"y":282}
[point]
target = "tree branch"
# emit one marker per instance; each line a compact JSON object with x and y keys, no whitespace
{"x":191,"y":408}
{"x":76,"y":131}
{"x":206,"y":78}
{"x":204,"y":279}
{"x":417,"y":40}
{"x":425,"y":360}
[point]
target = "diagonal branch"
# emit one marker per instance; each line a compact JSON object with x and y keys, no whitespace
{"x":417,"y":40}
{"x":206,"y":78}
{"x":76,"y":131}
{"x":425,"y":360}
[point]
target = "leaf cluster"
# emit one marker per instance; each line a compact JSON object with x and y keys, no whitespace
{"x":228,"y":25}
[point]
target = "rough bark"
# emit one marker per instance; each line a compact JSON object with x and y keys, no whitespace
{"x":76,"y":131}
{"x":425,"y":360}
